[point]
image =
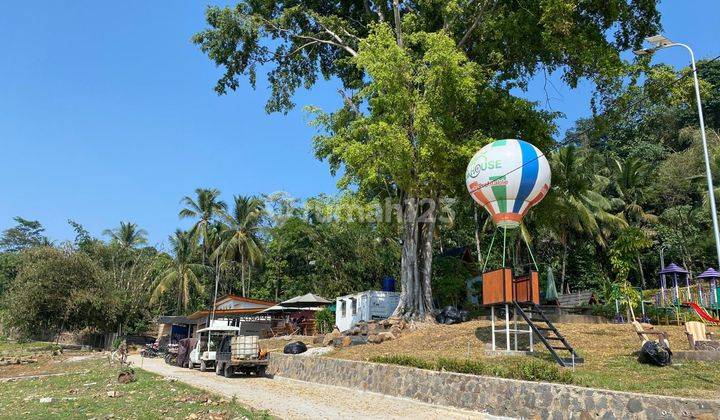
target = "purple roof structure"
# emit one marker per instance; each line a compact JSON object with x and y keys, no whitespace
{"x":710,"y":273}
{"x":673,"y":268}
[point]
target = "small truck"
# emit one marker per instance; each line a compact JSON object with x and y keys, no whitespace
{"x":240,"y":354}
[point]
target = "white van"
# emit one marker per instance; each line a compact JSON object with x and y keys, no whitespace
{"x":208,"y":340}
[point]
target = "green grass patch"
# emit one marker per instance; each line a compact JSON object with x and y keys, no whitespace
{"x":528,"y":369}
{"x":15,"y":348}
{"x":84,"y":394}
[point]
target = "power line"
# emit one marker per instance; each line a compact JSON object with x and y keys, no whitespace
{"x":566,"y":142}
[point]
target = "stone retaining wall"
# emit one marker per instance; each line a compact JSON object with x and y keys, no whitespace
{"x":497,"y":396}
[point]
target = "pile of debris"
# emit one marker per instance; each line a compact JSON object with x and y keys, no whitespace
{"x":375,"y":332}
{"x":4,"y":361}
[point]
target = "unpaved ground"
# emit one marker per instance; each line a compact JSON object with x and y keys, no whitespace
{"x":291,"y":399}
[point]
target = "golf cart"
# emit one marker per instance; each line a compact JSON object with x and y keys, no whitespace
{"x":208,"y":340}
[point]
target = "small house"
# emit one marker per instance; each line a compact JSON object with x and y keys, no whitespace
{"x":364,"y":306}
{"x":231,"y":309}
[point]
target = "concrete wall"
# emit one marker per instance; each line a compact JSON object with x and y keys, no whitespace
{"x":502,"y":397}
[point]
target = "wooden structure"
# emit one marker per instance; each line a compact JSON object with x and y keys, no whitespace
{"x":520,"y":298}
{"x":500,"y":287}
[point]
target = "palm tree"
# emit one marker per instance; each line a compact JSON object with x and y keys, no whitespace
{"x":127,"y":235}
{"x":204,"y":208}
{"x":630,"y":175}
{"x":182,"y":272}
{"x":240,"y":240}
{"x":578,"y":206}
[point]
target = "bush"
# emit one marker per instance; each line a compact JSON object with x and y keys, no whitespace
{"x":116,"y":342}
{"x":538,"y":370}
{"x":528,"y":369}
{"x":324,"y":321}
{"x":404,"y":361}
{"x":471,"y":367}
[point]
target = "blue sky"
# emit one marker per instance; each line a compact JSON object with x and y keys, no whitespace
{"x":107,"y":113}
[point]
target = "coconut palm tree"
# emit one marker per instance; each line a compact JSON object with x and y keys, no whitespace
{"x":577,"y":206}
{"x":630,"y":176}
{"x":127,"y":235}
{"x":182,"y":273}
{"x":240,"y":240}
{"x":204,"y":208}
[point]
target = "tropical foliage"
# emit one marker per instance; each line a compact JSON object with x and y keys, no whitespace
{"x":424,"y":84}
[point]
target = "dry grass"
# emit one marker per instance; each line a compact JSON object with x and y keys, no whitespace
{"x":608,"y":349}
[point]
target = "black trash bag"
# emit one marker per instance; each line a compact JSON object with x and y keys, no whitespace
{"x":451,"y":315}
{"x":654,"y":354}
{"x":296,"y":347}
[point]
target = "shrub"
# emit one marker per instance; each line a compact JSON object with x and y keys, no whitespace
{"x":539,"y":370}
{"x":472,"y":367}
{"x":324,"y":321}
{"x":404,"y":361}
{"x":528,"y":369}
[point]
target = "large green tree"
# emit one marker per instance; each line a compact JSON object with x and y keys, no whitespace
{"x":58,"y":290}
{"x":424,"y":83}
{"x":25,"y":234}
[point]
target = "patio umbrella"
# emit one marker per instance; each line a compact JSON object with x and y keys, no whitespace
{"x":551,"y":293}
{"x":308,"y":300}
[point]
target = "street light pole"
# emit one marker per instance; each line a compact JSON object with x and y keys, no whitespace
{"x":660,"y":42}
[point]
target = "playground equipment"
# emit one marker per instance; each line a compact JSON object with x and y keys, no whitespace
{"x":674,"y":270}
{"x":682,"y":296}
{"x":713,"y":297}
{"x":508,"y":177}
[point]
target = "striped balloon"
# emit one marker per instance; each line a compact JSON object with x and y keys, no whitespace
{"x":507,"y":177}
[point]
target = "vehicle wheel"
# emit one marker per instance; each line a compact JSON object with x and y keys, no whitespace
{"x":203,"y":366}
{"x":261,"y":371}
{"x":218,"y":369}
{"x":228,"y":371}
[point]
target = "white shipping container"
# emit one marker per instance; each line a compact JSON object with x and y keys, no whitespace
{"x":365,"y":306}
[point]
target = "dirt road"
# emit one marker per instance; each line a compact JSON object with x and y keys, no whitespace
{"x":291,"y":399}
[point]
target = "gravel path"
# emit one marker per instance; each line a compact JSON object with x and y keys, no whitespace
{"x":291,"y":399}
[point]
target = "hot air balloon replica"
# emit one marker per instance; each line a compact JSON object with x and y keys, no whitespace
{"x":507,"y":178}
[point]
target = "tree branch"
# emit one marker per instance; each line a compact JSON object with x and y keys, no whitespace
{"x":398,"y":22}
{"x":476,"y":22}
{"x":314,"y":40}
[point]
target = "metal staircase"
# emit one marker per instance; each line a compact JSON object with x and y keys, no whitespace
{"x":548,"y":334}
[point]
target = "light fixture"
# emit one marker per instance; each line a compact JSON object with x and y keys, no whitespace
{"x":644,"y":51}
{"x":659,"y":41}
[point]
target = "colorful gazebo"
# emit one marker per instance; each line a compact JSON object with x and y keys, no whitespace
{"x":674,"y":270}
{"x":711,"y":275}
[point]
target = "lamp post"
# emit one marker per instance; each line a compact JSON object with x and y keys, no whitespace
{"x":659,"y":42}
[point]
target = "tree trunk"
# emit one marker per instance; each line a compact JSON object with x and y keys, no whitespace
{"x":426,"y":246}
{"x":408,"y":261}
{"x":564,"y":264}
{"x":242,"y":273}
{"x":477,"y":237}
{"x":642,"y":273}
